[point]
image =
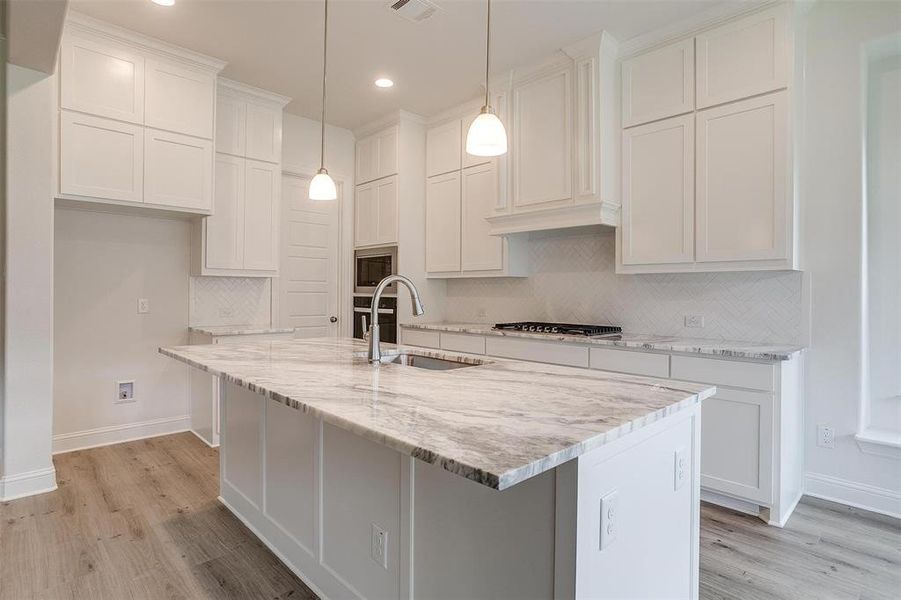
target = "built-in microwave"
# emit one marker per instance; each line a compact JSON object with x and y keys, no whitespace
{"x":371,"y":266}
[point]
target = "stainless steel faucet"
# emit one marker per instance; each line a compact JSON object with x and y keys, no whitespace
{"x":375,"y":350}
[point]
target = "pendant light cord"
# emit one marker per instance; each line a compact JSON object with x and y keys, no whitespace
{"x":487,"y":53}
{"x":324,"y":62}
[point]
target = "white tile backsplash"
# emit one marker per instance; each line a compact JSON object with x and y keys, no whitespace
{"x":231,"y":301}
{"x":573,"y":280}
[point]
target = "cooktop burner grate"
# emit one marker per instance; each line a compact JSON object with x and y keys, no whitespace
{"x":564,"y":328}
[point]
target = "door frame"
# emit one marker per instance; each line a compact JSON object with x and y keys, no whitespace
{"x":345,"y":256}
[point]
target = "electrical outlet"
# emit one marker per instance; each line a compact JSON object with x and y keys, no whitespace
{"x":143,"y":306}
{"x":125,"y":391}
{"x":825,"y":436}
{"x":609,"y":518}
{"x":694,"y":321}
{"x":378,"y":546}
{"x":680,"y":468}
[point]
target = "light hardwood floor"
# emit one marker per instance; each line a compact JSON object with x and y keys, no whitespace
{"x":141,"y":520}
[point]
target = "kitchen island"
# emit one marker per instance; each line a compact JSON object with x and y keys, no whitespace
{"x":498,"y":479}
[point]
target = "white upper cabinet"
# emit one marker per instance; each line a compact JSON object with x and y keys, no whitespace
{"x":102,"y":79}
{"x":101,"y":158}
{"x":178,"y":170}
{"x":261,"y":209}
{"x":442,"y":236}
{"x":743,"y":58}
{"x":264,"y":132}
{"x":376,"y":156}
{"x":742,"y":180}
{"x":542,"y":139}
{"x":231,"y":119}
{"x":659,"y":84}
{"x":444,"y":149}
{"x":225,"y":228}
{"x":480,"y":251}
{"x":658,"y":192}
{"x":376,"y":213}
{"x":179,"y":99}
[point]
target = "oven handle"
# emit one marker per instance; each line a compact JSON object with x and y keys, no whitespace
{"x":382,"y":311}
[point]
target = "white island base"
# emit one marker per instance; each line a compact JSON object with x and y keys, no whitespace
{"x":318,"y":496}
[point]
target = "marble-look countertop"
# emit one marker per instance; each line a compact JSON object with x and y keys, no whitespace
{"x":218,"y":330}
{"x":497,"y":423}
{"x":723,"y":348}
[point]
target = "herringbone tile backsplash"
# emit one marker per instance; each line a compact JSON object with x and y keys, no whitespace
{"x":230,"y":300}
{"x":573,"y":280}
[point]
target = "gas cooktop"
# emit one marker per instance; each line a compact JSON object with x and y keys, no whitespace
{"x":561,"y":328}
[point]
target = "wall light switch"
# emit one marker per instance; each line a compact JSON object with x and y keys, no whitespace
{"x":609,"y":518}
{"x":143,"y":306}
{"x":378,"y":546}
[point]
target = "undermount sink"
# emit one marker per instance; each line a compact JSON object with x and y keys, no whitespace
{"x":432,"y":363}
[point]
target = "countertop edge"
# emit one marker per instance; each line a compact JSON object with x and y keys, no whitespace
{"x":675,"y":345}
{"x":495,"y":481}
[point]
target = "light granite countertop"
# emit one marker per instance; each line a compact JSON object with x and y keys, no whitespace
{"x":221,"y":330}
{"x":723,"y":348}
{"x":497,"y":423}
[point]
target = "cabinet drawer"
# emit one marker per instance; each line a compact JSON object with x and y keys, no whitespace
{"x":472,"y":344}
{"x":418,"y":337}
{"x":624,"y":361}
{"x":546,"y":352}
{"x":754,"y":376}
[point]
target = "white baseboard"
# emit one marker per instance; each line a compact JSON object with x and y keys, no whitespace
{"x":858,"y":495}
{"x":742,"y":506}
{"x":104,"y":436}
{"x":27,"y":484}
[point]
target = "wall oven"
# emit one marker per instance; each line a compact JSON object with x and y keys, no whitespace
{"x":371,"y":266}
{"x":387,"y":317}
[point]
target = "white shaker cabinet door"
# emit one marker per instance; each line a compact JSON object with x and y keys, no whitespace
{"x":231,"y":117}
{"x":443,"y":145}
{"x":101,"y":158}
{"x":387,"y":152}
{"x":366,"y":160}
{"x":365,"y":215}
{"x":442,"y":236}
{"x":542,"y":141}
{"x":261,"y":209}
{"x":658,"y":192}
{"x":659,"y":84}
{"x":742,"y":180}
{"x":264,"y":133}
{"x":224,"y":228}
{"x":480,"y":251}
{"x":386,"y":210}
{"x":179,"y":99}
{"x":101,"y":79}
{"x":743,"y":58}
{"x":178,"y":170}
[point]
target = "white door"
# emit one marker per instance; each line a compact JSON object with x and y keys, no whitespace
{"x":658,"y":192}
{"x":480,"y":251}
{"x":742,"y":180}
{"x":308,"y":278}
{"x":442,"y":222}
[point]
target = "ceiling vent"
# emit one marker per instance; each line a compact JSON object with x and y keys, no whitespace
{"x":414,"y":10}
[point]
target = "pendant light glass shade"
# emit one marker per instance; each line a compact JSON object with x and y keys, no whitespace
{"x":322,"y":187}
{"x":486,"y":135}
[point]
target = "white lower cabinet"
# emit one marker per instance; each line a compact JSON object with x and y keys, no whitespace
{"x":101,"y":158}
{"x":751,"y":450}
{"x":178,"y":170}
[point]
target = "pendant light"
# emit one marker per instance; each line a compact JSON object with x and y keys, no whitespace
{"x":322,"y":186}
{"x":487,"y":136}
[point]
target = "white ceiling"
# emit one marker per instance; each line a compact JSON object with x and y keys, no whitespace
{"x":277,"y":44}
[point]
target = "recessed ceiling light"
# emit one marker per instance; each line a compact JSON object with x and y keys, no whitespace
{"x":384,"y":82}
{"x":164,"y":2}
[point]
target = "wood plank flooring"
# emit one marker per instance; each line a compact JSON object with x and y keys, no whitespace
{"x":140,"y":520}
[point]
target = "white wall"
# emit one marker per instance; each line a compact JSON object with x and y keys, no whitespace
{"x":103,"y":263}
{"x":831,"y":173}
{"x":28,"y":395}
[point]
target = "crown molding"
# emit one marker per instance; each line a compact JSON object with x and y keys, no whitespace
{"x":391,"y":119}
{"x":236,"y":88}
{"x":79,"y":23}
{"x":690,"y":26}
